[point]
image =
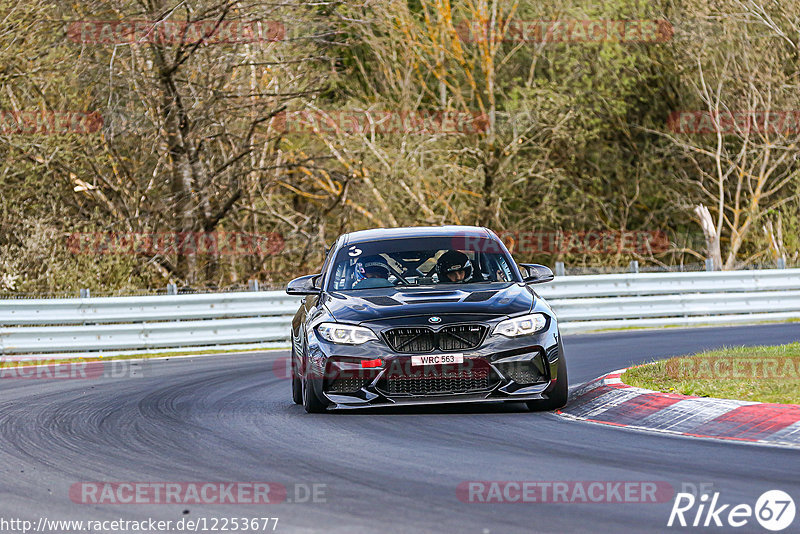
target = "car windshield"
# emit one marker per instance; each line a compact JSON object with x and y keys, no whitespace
{"x":420,"y":261}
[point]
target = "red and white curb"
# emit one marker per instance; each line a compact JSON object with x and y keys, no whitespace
{"x":609,"y":401}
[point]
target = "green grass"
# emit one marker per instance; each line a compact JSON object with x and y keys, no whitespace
{"x":759,"y":374}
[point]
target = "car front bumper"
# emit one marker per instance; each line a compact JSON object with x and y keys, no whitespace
{"x":531,"y":360}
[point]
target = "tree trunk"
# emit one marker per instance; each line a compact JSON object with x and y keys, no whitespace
{"x":711,"y":233}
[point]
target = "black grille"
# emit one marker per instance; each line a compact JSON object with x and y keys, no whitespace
{"x":521,"y":372}
{"x":461,"y":337}
{"x":476,"y":379}
{"x":347,"y":385}
{"x":423,"y":339}
{"x":410,"y":339}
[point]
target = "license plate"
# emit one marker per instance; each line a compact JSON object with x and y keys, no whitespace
{"x":436,"y":359}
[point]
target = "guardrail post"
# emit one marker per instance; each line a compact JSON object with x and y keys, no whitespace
{"x":781,"y":263}
{"x":560,"y":270}
{"x":252,"y":285}
{"x":709,"y":264}
{"x":633,"y":266}
{"x":172,"y":289}
{"x":85,"y":293}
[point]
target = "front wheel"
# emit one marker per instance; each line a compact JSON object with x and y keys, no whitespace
{"x":311,"y":401}
{"x":297,"y":388}
{"x":297,"y":384}
{"x":557,"y":398}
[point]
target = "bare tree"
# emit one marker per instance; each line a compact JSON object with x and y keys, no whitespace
{"x":189,"y":93}
{"x":741,"y":143}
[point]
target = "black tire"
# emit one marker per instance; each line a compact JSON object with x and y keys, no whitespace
{"x":307,"y":394}
{"x":557,"y":398}
{"x":297,"y":384}
{"x":297,"y":391}
{"x":311,"y":402}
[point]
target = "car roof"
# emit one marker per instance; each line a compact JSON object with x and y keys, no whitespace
{"x":377,"y":234}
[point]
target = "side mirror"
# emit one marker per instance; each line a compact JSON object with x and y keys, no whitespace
{"x":536,"y":274}
{"x":305,"y":285}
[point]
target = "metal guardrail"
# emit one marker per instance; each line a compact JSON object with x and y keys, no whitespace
{"x":80,"y":327}
{"x":80,"y":311}
{"x":626,"y":284}
{"x":594,"y":302}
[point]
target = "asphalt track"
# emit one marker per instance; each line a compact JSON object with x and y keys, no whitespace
{"x":230,"y":418}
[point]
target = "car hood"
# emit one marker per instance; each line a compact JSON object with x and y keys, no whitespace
{"x":490,"y":300}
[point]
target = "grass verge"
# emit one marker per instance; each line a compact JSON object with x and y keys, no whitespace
{"x":759,"y":374}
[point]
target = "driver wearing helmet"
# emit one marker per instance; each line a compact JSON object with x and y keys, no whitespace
{"x":454,"y":267}
{"x":375,"y":272}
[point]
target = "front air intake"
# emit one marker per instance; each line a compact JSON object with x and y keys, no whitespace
{"x":475,"y":378}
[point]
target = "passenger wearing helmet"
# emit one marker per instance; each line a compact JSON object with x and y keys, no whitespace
{"x":374,"y":272}
{"x":454,"y":267}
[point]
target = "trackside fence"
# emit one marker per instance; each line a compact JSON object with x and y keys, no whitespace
{"x":82,"y":327}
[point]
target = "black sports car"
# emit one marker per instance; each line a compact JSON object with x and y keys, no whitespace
{"x":424,"y":315}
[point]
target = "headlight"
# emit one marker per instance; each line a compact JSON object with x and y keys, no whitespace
{"x":521,"y":326}
{"x":345,"y":333}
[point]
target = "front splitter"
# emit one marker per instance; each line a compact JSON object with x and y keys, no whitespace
{"x":428,"y":401}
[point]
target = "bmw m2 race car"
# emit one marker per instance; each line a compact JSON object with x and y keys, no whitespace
{"x":428,"y":315}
